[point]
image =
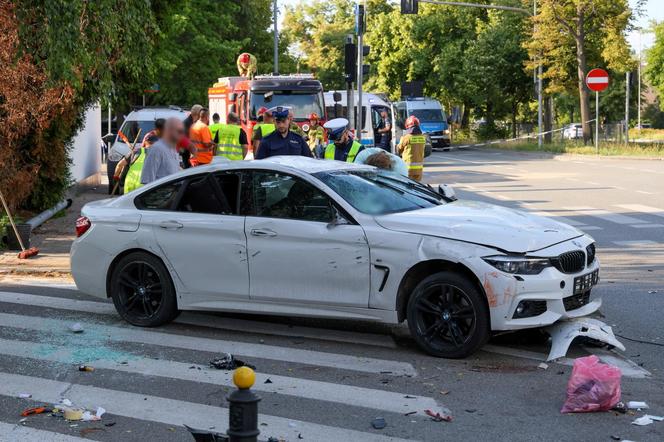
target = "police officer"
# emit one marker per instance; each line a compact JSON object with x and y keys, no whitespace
{"x":342,"y":147}
{"x":282,"y":141}
{"x":411,"y":148}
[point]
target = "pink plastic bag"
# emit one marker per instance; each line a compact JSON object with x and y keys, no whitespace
{"x":593,"y":386}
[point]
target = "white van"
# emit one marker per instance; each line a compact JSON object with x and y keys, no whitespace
{"x":372,"y":105}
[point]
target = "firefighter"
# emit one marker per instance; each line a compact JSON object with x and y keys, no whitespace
{"x":246,"y":65}
{"x":315,"y":135}
{"x":215,"y":126}
{"x":342,"y":146}
{"x":293,"y":125}
{"x":411,"y":148}
{"x":263,"y":128}
{"x":282,"y":141}
{"x":232,"y":139}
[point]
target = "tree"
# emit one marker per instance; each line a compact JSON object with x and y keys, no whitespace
{"x":570,"y":35}
{"x":655,"y":60}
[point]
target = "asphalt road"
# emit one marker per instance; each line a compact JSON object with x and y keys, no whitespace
{"x":330,"y":379}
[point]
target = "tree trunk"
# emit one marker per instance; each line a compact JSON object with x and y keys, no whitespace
{"x":465,"y":119}
{"x":584,"y":103}
{"x":548,"y":118}
{"x":514,"y":111}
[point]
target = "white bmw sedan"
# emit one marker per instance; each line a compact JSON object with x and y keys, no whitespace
{"x":301,"y":237}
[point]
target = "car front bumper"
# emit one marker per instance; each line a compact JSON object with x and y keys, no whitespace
{"x":551,"y":291}
{"x":439,"y":141}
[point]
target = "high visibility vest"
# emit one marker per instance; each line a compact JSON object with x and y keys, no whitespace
{"x":315,"y":136}
{"x":413,"y":153}
{"x":266,"y":128}
{"x":214,"y":128}
{"x":352,"y":153}
{"x":133,"y":178}
{"x":229,"y":142}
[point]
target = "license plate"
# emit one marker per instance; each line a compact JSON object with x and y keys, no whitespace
{"x":585,"y":282}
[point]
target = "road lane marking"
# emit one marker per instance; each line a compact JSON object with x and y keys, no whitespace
{"x":637,"y":243}
{"x":168,"y":411}
{"x":291,"y":386}
{"x":556,"y":217}
{"x":208,"y":320}
{"x":605,"y":215}
{"x":644,"y":192}
{"x":15,"y":432}
{"x":642,"y":209}
{"x":287,"y":354}
{"x":648,"y":226}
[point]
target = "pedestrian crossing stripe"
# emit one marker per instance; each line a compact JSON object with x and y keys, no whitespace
{"x":287,"y":354}
{"x":386,"y":401}
{"x":13,"y":433}
{"x":171,"y":411}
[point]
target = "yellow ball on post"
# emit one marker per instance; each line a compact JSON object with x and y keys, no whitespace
{"x":244,"y":378}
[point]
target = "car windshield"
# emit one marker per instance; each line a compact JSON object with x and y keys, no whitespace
{"x":428,"y":114}
{"x":380,"y":193}
{"x":130,"y":129}
{"x":303,"y":103}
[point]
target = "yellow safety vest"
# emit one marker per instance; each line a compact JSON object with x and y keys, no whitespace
{"x":214,"y":128}
{"x":352,"y":153}
{"x":133,"y":178}
{"x":266,"y":128}
{"x":413,"y":154}
{"x":229,"y":142}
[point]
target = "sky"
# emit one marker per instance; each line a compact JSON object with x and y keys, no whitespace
{"x":653,"y":10}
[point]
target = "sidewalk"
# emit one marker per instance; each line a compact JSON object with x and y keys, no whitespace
{"x":54,"y":239}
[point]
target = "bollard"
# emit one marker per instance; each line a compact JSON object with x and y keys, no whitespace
{"x":243,"y":409}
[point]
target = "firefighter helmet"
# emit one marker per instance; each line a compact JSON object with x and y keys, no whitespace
{"x":412,"y":121}
{"x":244,"y":57}
{"x":313,"y":116}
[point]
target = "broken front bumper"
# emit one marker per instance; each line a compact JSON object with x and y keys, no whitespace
{"x":564,"y":332}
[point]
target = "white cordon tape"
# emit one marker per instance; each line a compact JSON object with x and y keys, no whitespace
{"x":507,"y":140}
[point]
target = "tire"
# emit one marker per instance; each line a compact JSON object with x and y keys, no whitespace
{"x":428,"y":148}
{"x":447,"y":329}
{"x":143,"y":291}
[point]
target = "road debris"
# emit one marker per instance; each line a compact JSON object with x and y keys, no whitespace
{"x":379,"y":423}
{"x":564,"y":332}
{"x":410,"y":413}
{"x":268,"y":381}
{"x":439,"y":416}
{"x":643,"y":420}
{"x":543,"y":366}
{"x":228,"y":362}
{"x":25,"y":395}
{"x":86,"y":368}
{"x":652,"y":292}
{"x":206,"y":436}
{"x":36,"y":410}
{"x":637,"y":405}
{"x":620,"y":408}
{"x":76,"y":327}
{"x":593,"y":386}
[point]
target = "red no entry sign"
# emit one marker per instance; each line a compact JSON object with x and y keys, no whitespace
{"x":597,"y":80}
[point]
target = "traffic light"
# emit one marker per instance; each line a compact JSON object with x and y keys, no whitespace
{"x":366,"y":69}
{"x":365,"y":50}
{"x":409,"y":6}
{"x":350,"y":58}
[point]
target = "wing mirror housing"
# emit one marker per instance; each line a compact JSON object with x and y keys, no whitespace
{"x":109,"y":137}
{"x":447,"y":192}
{"x":337,"y":220}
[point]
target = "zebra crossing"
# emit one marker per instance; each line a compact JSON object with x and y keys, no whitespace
{"x":39,"y":356}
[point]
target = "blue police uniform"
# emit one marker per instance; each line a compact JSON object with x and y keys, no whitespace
{"x":275,"y":144}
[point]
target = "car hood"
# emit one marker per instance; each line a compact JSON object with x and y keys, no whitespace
{"x":480,"y":223}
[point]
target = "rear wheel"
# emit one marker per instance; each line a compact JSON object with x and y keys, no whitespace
{"x":142,"y":290}
{"x":448,"y":316}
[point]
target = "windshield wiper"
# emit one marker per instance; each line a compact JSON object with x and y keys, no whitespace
{"x":429,"y":193}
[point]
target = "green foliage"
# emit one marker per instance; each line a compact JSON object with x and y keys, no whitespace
{"x":655,"y":59}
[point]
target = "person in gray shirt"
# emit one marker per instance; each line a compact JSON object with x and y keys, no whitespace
{"x":163,"y":159}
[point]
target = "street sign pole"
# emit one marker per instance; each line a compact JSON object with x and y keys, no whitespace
{"x":597,"y":122}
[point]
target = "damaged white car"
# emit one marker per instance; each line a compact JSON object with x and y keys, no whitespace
{"x":301,"y":237}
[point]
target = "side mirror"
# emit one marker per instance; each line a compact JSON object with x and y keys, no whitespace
{"x":447,"y":192}
{"x":109,"y":137}
{"x":337,"y":220}
{"x":336,"y":96}
{"x":268,"y":96}
{"x":232,"y":96}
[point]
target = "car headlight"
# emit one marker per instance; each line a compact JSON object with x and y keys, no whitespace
{"x":446,"y":131}
{"x":518,"y":265}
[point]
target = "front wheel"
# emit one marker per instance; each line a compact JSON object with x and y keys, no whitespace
{"x":447,"y":316}
{"x":142,"y":291}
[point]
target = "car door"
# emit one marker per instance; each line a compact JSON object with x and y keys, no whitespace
{"x":299,"y":251}
{"x":202,"y":236}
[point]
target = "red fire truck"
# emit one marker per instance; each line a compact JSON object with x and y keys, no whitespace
{"x":301,"y":92}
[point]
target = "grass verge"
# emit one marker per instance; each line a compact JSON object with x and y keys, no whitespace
{"x":605,"y":149}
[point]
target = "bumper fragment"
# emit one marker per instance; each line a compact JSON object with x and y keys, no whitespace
{"x":565,"y":331}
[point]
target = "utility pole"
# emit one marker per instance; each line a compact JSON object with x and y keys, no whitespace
{"x":626,"y":107}
{"x":276,"y":37}
{"x":539,"y":93}
{"x":638,"y":106}
{"x":359,"y":29}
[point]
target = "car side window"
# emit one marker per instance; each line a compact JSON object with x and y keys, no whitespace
{"x":202,"y":195}
{"x":229,"y":183}
{"x":277,"y":195}
{"x":160,"y":198}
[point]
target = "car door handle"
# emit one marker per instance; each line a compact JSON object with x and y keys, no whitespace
{"x":263,"y":232}
{"x":170,"y":225}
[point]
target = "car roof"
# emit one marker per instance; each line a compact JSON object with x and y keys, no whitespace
{"x":152,"y":113}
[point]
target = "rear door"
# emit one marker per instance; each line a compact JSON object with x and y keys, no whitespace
{"x":296,"y":254}
{"x":201,"y":235}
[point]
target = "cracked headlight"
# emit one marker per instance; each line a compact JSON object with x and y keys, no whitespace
{"x":518,"y":265}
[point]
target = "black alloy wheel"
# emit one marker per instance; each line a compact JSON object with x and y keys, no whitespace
{"x":142,"y":290}
{"x":447,"y":316}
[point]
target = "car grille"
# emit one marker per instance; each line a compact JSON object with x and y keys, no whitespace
{"x":590,"y":254}
{"x":570,"y":262}
{"x":576,"y":301}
